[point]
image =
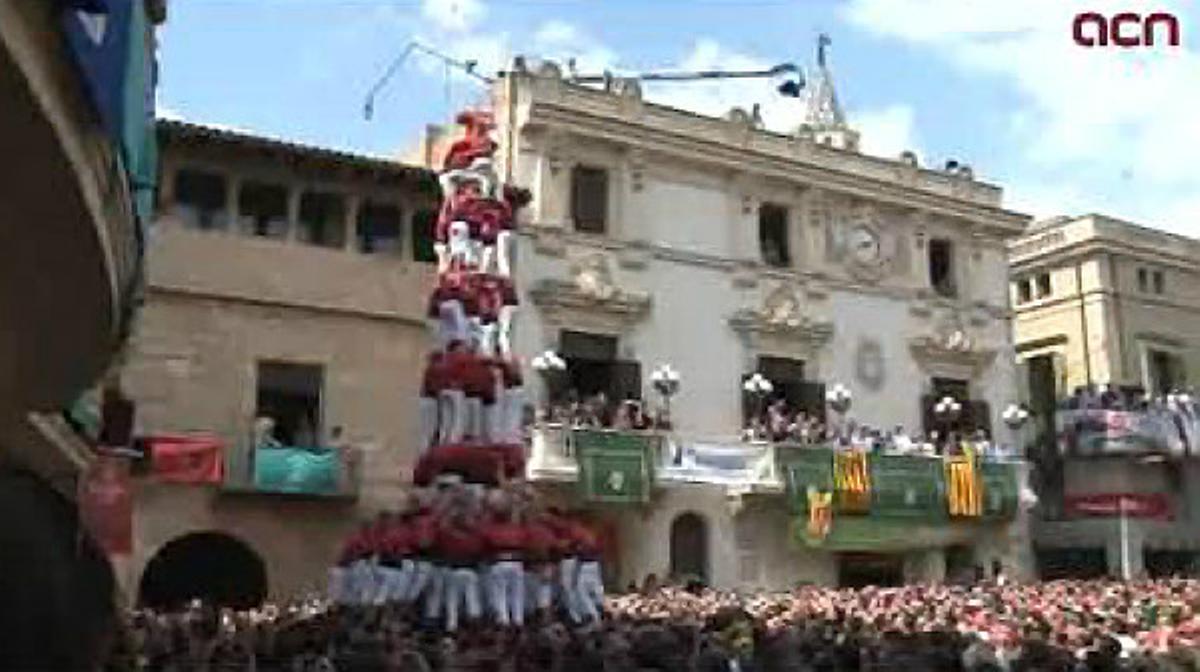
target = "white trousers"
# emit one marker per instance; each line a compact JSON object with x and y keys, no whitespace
{"x":394,"y":582}
{"x":589,"y":589}
{"x":506,"y":592}
{"x":504,"y":329}
{"x":462,"y":591}
{"x":504,"y":253}
{"x":539,"y":591}
{"x":452,"y":416}
{"x":362,"y":582}
{"x":435,"y":592}
{"x":421,"y":576}
{"x":512,"y":406}
{"x":473,"y":418}
{"x":567,"y":578}
{"x":427,"y":414}
{"x":452,"y":323}
{"x":339,"y":589}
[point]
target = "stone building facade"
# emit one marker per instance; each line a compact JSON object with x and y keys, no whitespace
{"x":1100,"y":301}
{"x":659,"y":236}
{"x":287,"y":275}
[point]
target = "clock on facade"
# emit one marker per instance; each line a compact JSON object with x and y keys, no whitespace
{"x":864,"y":245}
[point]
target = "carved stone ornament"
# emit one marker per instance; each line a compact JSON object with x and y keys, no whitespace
{"x":869,"y":364}
{"x":864,"y":246}
{"x":781,"y":316}
{"x":590,"y":296}
{"x":951,"y":344}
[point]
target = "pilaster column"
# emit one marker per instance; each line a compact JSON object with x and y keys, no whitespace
{"x":293,"y":211}
{"x":232,"y":194}
{"x":350,"y":222}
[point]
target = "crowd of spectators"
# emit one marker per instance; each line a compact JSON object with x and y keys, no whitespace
{"x":1072,"y":626}
{"x":599,"y":412}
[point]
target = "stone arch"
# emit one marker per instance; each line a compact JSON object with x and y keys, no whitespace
{"x":689,"y":546}
{"x":211,"y":565}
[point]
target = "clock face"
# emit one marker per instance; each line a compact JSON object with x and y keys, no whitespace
{"x":864,"y":245}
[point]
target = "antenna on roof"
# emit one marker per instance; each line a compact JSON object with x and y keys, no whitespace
{"x":448,"y":62}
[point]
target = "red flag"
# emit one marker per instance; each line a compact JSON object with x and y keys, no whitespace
{"x":184,"y":458}
{"x":106,"y":504}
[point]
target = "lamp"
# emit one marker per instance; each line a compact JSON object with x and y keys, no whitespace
{"x":548,"y":365}
{"x":839,"y":399}
{"x":947,"y":410}
{"x":758,"y":386}
{"x":665,"y":381}
{"x":1015,"y":416}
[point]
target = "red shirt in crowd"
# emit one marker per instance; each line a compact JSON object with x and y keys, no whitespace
{"x":460,"y":545}
{"x":398,"y":540}
{"x":542,"y":544}
{"x":503,"y":536}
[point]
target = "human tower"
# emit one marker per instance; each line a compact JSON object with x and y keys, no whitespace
{"x":472,"y":536}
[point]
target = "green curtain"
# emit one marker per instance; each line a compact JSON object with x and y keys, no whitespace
{"x":804,"y":468}
{"x":295,"y":470}
{"x":615,"y":467}
{"x":908,"y":486}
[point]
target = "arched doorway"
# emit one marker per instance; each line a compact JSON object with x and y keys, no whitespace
{"x":211,"y":566}
{"x":689,"y":547}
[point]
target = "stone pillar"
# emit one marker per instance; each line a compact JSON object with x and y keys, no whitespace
{"x":350,"y":222}
{"x":743,"y":220}
{"x":232,"y":194}
{"x":293,"y":212}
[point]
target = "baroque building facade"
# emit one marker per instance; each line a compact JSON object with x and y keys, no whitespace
{"x":657,"y":236}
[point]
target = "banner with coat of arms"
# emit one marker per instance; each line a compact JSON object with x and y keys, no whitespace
{"x":907,"y":486}
{"x":615,"y":467}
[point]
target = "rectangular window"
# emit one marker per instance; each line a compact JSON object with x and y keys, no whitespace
{"x":200,"y":200}
{"x":290,"y":394}
{"x":322,"y":219}
{"x":1024,"y":291}
{"x":1043,"y":285}
{"x":941,"y":267}
{"x":262,"y":210}
{"x":378,"y":229}
{"x":589,"y":199}
{"x":773,"y":235}
{"x":423,"y":223}
{"x":1143,"y":280}
{"x":1160,"y":283}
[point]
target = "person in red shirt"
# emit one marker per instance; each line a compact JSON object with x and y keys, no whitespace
{"x":543,"y":551}
{"x":433,"y":382}
{"x":460,"y":548}
{"x":568,"y":562}
{"x":507,"y":544}
{"x":395,"y":563}
{"x":428,"y":579}
{"x":343,"y":575}
{"x":589,"y":584}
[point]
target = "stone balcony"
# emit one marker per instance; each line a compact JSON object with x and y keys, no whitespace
{"x":741,"y":467}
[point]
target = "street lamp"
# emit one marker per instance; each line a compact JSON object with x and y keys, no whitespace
{"x":666,"y":382}
{"x":839,"y":399}
{"x":548,"y":365}
{"x":947,"y":410}
{"x":758,"y":387}
{"x":1015,"y":416}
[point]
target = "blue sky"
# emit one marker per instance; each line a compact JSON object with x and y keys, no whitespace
{"x":998,"y":84}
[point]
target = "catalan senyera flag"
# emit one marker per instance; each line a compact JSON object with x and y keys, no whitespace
{"x":852,"y":480}
{"x":963,"y":491}
{"x":820,"y":514}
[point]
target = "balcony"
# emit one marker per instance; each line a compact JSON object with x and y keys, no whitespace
{"x":290,"y":471}
{"x":741,"y":467}
{"x":874,"y":486}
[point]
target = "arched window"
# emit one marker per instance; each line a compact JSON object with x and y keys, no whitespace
{"x":211,"y":566}
{"x":689,"y":547}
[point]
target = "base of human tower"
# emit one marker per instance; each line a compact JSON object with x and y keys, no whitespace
{"x":472,"y":540}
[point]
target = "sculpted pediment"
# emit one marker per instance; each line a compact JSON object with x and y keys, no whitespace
{"x":951,"y":344}
{"x":590,"y":294}
{"x":782,"y":315}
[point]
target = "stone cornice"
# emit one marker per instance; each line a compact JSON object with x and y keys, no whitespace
{"x":750,"y":159}
{"x":804,"y":332}
{"x":930,"y":352}
{"x":562,"y":301}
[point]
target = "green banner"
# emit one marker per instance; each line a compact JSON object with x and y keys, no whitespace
{"x":615,"y":467}
{"x":295,"y":470}
{"x":861,"y":533}
{"x":908,"y":486}
{"x":1000,"y":495}
{"x":804,"y":468}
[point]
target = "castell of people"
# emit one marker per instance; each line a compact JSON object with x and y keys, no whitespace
{"x":447,"y":335}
